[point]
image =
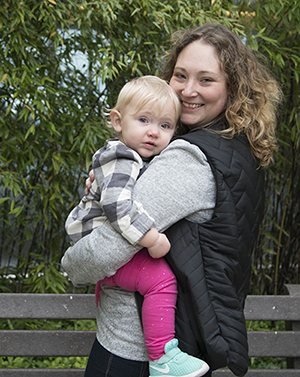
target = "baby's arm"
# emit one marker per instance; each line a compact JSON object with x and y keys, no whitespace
{"x":116,"y":171}
{"x":157,"y":243}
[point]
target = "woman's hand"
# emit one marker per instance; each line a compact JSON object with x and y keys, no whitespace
{"x":88,"y":182}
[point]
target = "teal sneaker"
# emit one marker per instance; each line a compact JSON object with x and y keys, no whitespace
{"x":175,"y":363}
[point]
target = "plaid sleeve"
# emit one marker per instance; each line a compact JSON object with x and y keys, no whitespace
{"x":116,"y":170}
{"x":85,"y":217}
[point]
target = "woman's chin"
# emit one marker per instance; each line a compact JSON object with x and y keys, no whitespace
{"x":190,"y":120}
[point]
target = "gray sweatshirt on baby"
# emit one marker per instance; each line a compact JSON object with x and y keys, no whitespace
{"x":178,"y":184}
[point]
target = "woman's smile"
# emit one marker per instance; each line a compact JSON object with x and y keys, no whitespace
{"x":191,"y":105}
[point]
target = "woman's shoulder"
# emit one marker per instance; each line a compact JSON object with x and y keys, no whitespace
{"x":180,"y":148}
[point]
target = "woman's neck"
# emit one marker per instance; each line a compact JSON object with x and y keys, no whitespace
{"x":208,"y":125}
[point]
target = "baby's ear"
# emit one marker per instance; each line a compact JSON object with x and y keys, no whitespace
{"x":115,"y":118}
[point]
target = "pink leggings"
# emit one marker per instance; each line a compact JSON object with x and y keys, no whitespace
{"x":153,"y":279}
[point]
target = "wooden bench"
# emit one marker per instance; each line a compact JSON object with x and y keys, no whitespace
{"x":78,"y":343}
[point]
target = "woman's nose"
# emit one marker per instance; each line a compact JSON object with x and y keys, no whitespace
{"x":189,"y":89}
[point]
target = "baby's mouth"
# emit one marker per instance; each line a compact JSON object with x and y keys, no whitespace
{"x":150,"y":144}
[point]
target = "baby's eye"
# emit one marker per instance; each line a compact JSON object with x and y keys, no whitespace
{"x":143,"y":120}
{"x":165,"y":126}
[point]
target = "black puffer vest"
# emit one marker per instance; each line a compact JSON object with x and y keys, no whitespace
{"x":212,"y":261}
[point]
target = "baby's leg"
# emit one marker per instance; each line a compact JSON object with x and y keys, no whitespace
{"x":154,"y":279}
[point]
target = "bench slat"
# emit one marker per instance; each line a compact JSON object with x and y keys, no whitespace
{"x":46,"y":343}
{"x":272,"y":308}
{"x":78,"y":343}
{"x":258,"y":373}
{"x":82,"y":306}
{"x":274,"y":343}
{"x":41,"y":372}
{"x":47,"y":306}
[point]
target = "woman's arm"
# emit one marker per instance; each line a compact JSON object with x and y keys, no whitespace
{"x":177,"y":184}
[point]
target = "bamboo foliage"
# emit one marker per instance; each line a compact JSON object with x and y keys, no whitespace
{"x":63,"y":62}
{"x":276,"y":259}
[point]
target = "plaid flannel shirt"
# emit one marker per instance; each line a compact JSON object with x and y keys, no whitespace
{"x":116,"y":168}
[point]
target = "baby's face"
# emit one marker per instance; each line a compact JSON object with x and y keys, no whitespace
{"x":149,"y":130}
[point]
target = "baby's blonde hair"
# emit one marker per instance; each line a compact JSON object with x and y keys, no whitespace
{"x":145,"y":91}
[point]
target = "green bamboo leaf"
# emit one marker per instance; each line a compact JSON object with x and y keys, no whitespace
{"x":3,"y":200}
{"x":16,"y":211}
{"x":3,"y":78}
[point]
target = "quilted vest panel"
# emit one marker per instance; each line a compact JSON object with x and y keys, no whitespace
{"x":212,"y":261}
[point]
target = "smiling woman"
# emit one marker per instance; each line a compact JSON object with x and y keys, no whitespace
{"x":200,"y":84}
{"x":248,"y":97}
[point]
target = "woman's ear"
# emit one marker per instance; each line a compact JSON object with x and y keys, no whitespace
{"x":115,"y":118}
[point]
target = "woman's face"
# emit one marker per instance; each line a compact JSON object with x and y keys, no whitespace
{"x":200,"y":84}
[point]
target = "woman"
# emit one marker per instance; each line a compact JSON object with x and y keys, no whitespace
{"x":206,"y":189}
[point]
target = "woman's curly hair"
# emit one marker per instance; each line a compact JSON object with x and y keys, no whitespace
{"x":253,"y":94}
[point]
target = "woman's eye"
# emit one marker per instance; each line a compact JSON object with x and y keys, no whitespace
{"x":179,"y":76}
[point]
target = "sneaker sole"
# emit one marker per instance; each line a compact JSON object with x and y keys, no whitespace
{"x":198,"y":373}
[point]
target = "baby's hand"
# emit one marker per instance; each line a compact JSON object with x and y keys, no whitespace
{"x":88,"y":182}
{"x":160,"y":248}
